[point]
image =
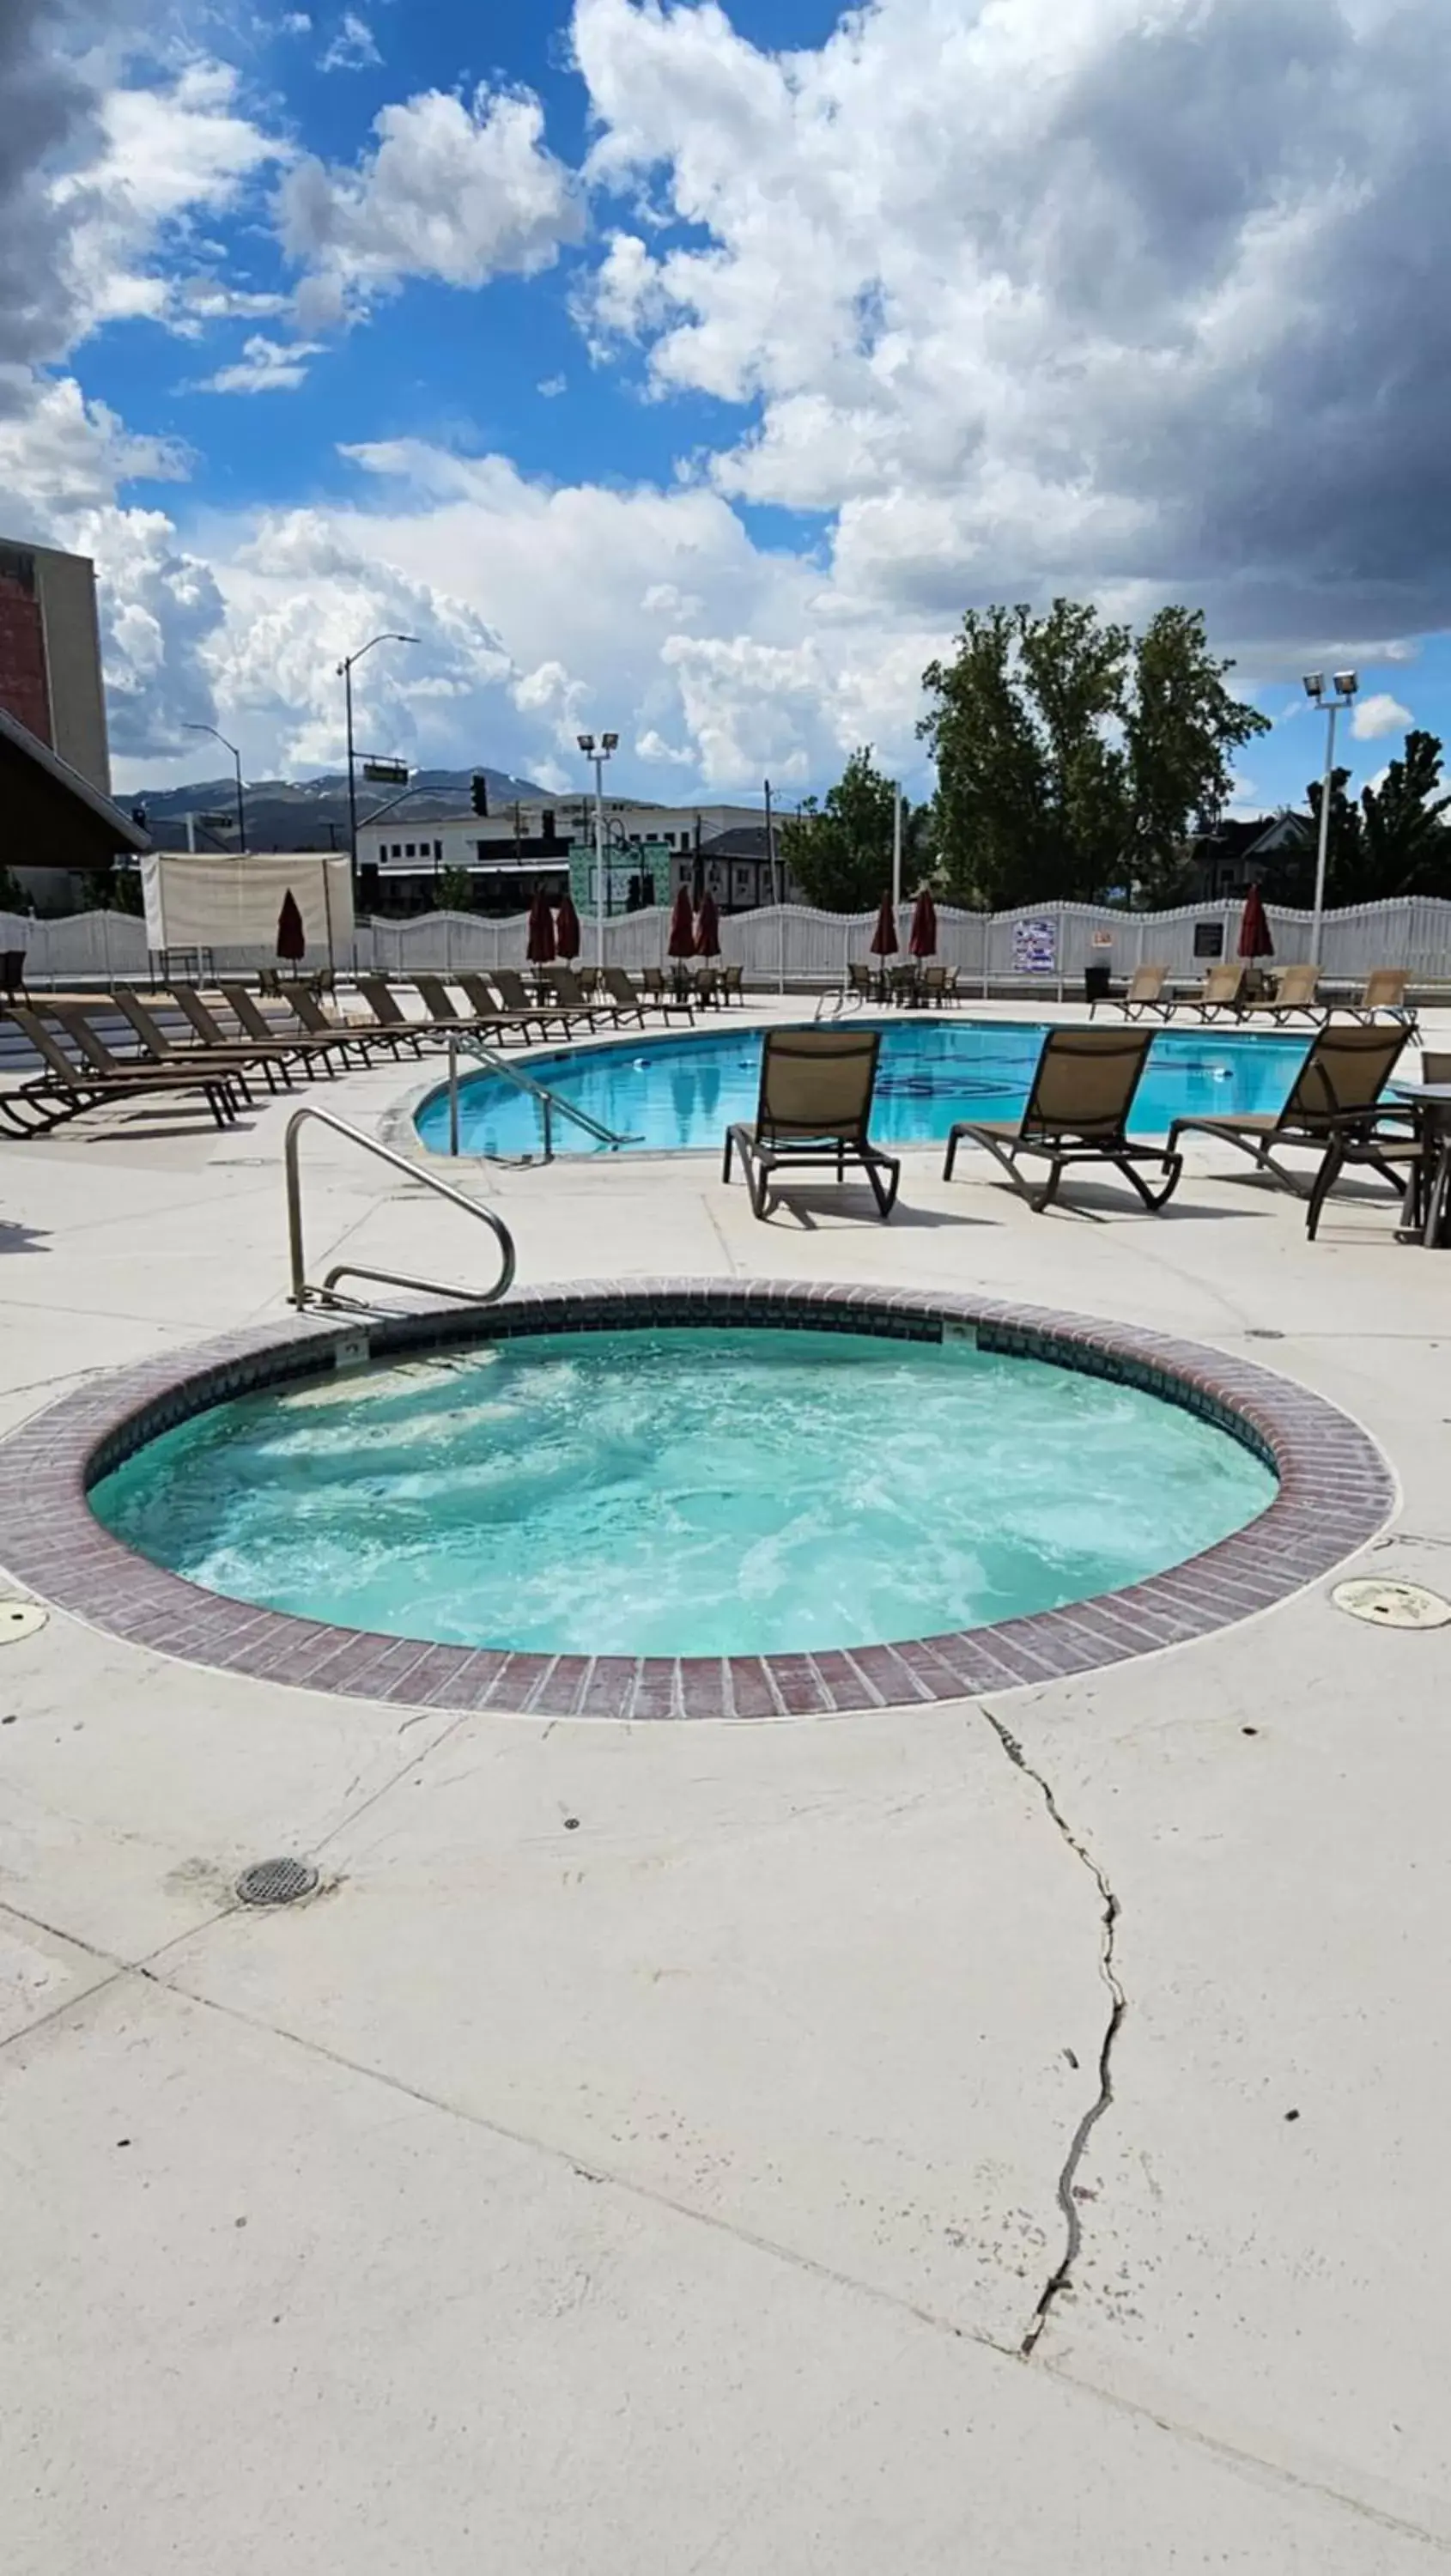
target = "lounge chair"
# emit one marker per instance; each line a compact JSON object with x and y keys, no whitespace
{"x":1145,"y":993}
{"x":733,"y":984}
{"x":307,"y":1046}
{"x":65,"y":1089}
{"x":569,"y":991}
{"x":1390,"y":1153}
{"x":622,"y":993}
{"x":158,"y":1048}
{"x":1295,"y":991}
{"x":1076,"y":1112}
{"x":543,"y":1016}
{"x":1222,"y":991}
{"x":1336,"y":1095}
{"x":216,"y":1039}
{"x":348,"y":1036}
{"x":814,"y":1109}
{"x":74,"y":1021}
{"x":390,"y":1025}
{"x":1384,"y":990}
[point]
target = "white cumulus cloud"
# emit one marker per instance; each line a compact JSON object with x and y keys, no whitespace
{"x":264,"y":367}
{"x":1379,"y":714}
{"x":353,"y":47}
{"x":461,"y":190}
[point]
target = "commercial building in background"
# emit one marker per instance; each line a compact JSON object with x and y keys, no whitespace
{"x":58,"y":824}
{"x":50,"y":655}
{"x":549,"y":842}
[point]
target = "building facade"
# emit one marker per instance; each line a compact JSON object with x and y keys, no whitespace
{"x":50,"y":656}
{"x":511,"y":854}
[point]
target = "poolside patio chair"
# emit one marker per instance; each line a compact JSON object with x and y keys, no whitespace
{"x":390,"y":1024}
{"x":65,"y":1089}
{"x":627,"y":1001}
{"x":307,"y":1045}
{"x":1221,"y":992}
{"x":1388,"y":1153}
{"x":12,"y":975}
{"x":1295,"y":992}
{"x":1336,"y":1095}
{"x":1076,"y":1112}
{"x":1384,"y":990}
{"x":733,"y":984}
{"x":813,"y":1112}
{"x":569,"y":991}
{"x":74,"y":1022}
{"x":1145,"y":993}
{"x":209,"y":1029}
{"x":159,"y":1048}
{"x":547,"y":1017}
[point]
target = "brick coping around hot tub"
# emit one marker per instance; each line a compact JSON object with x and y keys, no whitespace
{"x":1335,"y":1493}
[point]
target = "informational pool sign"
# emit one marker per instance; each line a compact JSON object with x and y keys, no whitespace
{"x":1035,"y":947}
{"x":1209,"y":939}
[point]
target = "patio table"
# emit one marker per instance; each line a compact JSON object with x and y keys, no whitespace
{"x":1426,"y":1211}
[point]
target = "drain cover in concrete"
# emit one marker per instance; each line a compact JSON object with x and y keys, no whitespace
{"x":276,"y":1882}
{"x":20,"y":1619}
{"x":1392,"y":1605}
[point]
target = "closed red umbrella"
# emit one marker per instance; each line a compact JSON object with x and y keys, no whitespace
{"x":291,"y":937}
{"x":682,"y":928}
{"x":884,"y":937}
{"x":1254,"y":929}
{"x":707,"y":928}
{"x":540,"y":950}
{"x":922,"y":938}
{"x":566,"y":930}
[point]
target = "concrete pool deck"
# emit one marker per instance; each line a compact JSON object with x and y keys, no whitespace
{"x":652,"y":2147}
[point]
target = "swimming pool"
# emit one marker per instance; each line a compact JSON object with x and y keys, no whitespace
{"x":677,"y":1492}
{"x":676,"y":1094}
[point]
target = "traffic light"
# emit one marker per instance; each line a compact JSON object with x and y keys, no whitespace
{"x":481,"y":793}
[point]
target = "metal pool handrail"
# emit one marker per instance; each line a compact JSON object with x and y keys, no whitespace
{"x":302,"y":1294}
{"x":549,"y":1102}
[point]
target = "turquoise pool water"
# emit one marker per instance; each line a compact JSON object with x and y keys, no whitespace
{"x":671,"y":1094}
{"x":684,"y":1492}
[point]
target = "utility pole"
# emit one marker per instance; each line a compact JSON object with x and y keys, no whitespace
{"x":190,"y":727}
{"x":608,"y":743}
{"x":345,"y":674}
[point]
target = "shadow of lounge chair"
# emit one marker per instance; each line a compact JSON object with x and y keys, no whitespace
{"x":1335,"y":1096}
{"x":1076,"y":1113}
{"x":813,"y":1113}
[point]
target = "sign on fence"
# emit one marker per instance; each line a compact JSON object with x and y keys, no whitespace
{"x":1209,"y":939}
{"x":1035,"y":947}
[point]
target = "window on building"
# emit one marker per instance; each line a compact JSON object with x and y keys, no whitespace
{"x":546,"y":825}
{"x":438,"y":849}
{"x":410,"y":852}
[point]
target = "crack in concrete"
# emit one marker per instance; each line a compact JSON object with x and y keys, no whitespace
{"x":1061,"y":2277}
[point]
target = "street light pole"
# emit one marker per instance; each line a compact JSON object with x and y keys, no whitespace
{"x":1344,"y":687}
{"x":345,"y":674}
{"x":599,"y":754}
{"x":191,"y":727}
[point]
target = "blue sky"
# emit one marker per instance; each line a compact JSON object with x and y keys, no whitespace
{"x":687,"y":369}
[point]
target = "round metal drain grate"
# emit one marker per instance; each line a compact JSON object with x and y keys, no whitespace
{"x":20,"y":1619}
{"x":276,"y":1882}
{"x":1393,"y":1605}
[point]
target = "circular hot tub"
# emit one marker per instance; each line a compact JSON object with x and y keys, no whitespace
{"x":688,"y":1500}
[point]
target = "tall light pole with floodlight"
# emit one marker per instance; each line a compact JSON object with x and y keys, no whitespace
{"x":599,"y":754}
{"x":191,"y":727}
{"x":345,"y":674}
{"x":1343,"y":687}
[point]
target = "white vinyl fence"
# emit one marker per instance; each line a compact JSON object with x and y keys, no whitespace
{"x":795,"y":945}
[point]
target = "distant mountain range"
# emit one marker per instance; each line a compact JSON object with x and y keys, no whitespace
{"x":310,"y":813}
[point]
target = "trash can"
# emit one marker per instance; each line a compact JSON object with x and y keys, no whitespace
{"x":1096,"y":981}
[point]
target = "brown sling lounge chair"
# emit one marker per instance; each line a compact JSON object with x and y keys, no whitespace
{"x":813,"y":1113}
{"x":1295,"y":991}
{"x":1221,"y":991}
{"x":1077,"y":1112}
{"x":159,"y":1048}
{"x":1384,"y":990}
{"x":1145,"y":992}
{"x":65,"y":1089}
{"x":1335,"y":1095}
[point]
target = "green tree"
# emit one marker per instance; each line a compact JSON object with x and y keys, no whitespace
{"x":455,"y":891}
{"x":839,"y":849}
{"x":113,"y":889}
{"x":1073,"y":759}
{"x":1402,"y":846}
{"x":1181,"y":730}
